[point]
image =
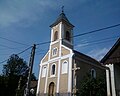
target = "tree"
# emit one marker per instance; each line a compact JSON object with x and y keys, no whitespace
{"x":3,"y":85}
{"x":93,"y":86}
{"x":15,"y":69}
{"x":15,"y":66}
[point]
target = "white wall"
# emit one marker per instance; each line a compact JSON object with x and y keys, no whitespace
{"x":111,"y":66}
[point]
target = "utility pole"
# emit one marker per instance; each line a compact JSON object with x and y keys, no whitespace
{"x":74,"y":78}
{"x":27,"y":90}
{"x":19,"y":85}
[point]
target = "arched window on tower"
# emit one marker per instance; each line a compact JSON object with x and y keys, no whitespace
{"x":55,"y":35}
{"x":68,"y":37}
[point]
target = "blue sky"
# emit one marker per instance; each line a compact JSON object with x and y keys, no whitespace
{"x":27,"y":21}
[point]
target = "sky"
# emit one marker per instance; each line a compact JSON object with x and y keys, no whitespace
{"x":26,"y":22}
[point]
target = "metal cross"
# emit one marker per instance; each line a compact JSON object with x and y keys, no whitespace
{"x":74,"y":78}
{"x":62,"y":9}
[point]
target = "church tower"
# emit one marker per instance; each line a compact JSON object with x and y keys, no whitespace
{"x":55,"y":76}
{"x":62,"y":69}
{"x":62,"y":30}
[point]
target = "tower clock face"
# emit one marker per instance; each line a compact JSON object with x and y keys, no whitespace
{"x":54,"y":51}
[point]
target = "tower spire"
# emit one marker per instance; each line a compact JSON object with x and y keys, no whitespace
{"x":62,"y":18}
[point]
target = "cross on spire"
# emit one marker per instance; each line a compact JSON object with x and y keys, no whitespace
{"x":62,"y":9}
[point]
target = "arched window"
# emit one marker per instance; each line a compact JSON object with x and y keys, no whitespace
{"x":67,"y":37}
{"x":64,"y":67}
{"x":51,"y":89}
{"x":44,"y":69}
{"x":55,"y":35}
{"x":54,"y":51}
{"x":53,"y":69}
{"x":93,"y":73}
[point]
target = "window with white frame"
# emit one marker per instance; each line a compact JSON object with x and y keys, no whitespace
{"x":44,"y":69}
{"x":93,"y":73}
{"x":54,"y":51}
{"x":53,"y":69}
{"x":64,"y":67}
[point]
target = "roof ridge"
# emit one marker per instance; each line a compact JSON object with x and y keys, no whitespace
{"x":111,"y":50}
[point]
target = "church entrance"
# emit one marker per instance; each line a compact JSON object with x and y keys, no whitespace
{"x":51,"y":89}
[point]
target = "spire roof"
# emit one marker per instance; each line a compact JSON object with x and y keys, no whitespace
{"x":60,"y":18}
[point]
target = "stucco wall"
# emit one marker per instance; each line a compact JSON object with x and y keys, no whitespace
{"x":85,"y":68}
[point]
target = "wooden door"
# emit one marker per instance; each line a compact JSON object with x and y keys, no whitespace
{"x":51,"y":89}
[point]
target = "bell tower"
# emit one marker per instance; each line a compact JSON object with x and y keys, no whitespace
{"x":62,"y":30}
{"x":56,"y":65}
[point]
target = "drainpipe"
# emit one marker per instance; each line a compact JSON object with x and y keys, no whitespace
{"x":107,"y":68}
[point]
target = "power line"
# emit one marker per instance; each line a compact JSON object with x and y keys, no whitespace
{"x":99,"y":41}
{"x":8,"y":47}
{"x":42,"y":43}
{"x":88,"y":44}
{"x":14,"y":41}
{"x":3,"y":61}
{"x":24,"y":50}
{"x":92,"y":42}
{"x":4,"y":54}
{"x":18,"y":54}
{"x":94,"y":31}
{"x":97,"y":30}
{"x":85,"y":33}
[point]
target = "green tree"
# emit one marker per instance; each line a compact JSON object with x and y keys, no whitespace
{"x":15,"y":68}
{"x":3,"y":85}
{"x":93,"y":86}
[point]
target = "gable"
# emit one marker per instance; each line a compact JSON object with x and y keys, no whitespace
{"x":45,"y":58}
{"x":64,"y":51}
{"x":113,"y":56}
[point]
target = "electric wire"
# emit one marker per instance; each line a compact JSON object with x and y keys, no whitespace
{"x":85,"y":33}
{"x":97,"y":30}
{"x":98,"y":41}
{"x":8,"y":47}
{"x":108,"y":39}
{"x":95,"y":43}
{"x":14,"y":41}
{"x":17,"y":54}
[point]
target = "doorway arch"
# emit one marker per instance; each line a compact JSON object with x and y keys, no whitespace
{"x":51,"y":89}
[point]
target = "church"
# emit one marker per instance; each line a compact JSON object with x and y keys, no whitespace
{"x":62,"y":68}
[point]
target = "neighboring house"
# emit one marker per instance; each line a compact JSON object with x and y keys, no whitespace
{"x":62,"y":68}
{"x":33,"y":87}
{"x":112,"y":60}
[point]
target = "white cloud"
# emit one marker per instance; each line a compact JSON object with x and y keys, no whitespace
{"x":98,"y":53}
{"x":14,"y":11}
{"x":81,"y":45}
{"x":83,"y":42}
